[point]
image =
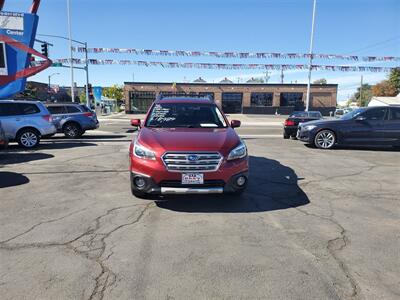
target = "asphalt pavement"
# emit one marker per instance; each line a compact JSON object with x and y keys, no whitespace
{"x":313,"y":224}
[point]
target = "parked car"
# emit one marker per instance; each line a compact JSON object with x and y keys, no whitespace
{"x":364,"y":126}
{"x":25,"y":122}
{"x":339,"y":112}
{"x":187,"y":146}
{"x":292,"y":122}
{"x":73,"y":119}
{"x":3,"y":138}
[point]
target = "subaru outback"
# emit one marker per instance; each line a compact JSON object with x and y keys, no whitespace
{"x":187,"y":146}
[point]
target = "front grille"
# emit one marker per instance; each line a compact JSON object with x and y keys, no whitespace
{"x":192,"y":161}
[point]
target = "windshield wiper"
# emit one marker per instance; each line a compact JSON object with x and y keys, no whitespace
{"x":154,"y":126}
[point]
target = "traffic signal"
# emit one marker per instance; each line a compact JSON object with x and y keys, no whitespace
{"x":45,"y":50}
{"x":90,"y":91}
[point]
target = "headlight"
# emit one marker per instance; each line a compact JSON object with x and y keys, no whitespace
{"x":238,"y":152}
{"x":309,"y":127}
{"x":142,"y":152}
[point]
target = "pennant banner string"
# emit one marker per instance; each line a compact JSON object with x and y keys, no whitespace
{"x":236,"y":54}
{"x":190,"y":65}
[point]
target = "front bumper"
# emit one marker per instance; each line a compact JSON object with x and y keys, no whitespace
{"x":305,"y":136}
{"x":168,"y":186}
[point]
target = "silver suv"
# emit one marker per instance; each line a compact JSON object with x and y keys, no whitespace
{"x":26,"y":122}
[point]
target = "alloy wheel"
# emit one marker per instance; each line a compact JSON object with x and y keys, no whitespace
{"x":29,"y":139}
{"x":71,"y":131}
{"x":325,"y":139}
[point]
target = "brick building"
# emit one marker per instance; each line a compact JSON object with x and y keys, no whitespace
{"x":249,"y":98}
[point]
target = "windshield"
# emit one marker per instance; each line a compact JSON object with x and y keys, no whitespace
{"x":314,"y":114}
{"x":352,"y":114}
{"x":299,"y":114}
{"x":189,"y":115}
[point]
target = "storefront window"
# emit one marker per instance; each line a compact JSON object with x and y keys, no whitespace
{"x":140,"y":102}
{"x":207,"y":94}
{"x":292,"y":99}
{"x":261,"y":99}
{"x":232,"y":102}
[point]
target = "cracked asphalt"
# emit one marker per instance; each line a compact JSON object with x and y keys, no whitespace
{"x":312,"y":225}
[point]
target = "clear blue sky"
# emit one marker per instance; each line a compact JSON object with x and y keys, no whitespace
{"x":357,"y":27}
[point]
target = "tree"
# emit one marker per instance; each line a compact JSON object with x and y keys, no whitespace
{"x":82,"y":98}
{"x":394,"y":79}
{"x":114,"y":92}
{"x":365,"y":97}
{"x":384,"y":88}
{"x":320,"y":81}
{"x":389,"y":87}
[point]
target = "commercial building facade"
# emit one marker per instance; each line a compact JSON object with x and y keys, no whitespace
{"x":248,"y":98}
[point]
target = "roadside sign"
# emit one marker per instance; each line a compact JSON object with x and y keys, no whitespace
{"x":17,"y":37}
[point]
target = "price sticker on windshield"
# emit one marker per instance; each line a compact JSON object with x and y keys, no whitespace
{"x":192,"y":178}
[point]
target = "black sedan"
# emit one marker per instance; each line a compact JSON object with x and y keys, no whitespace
{"x":291,"y":123}
{"x":367,"y":126}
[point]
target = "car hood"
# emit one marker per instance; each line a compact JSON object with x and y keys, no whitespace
{"x":189,"y":139}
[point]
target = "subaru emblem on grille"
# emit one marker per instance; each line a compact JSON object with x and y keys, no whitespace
{"x":192,"y":157}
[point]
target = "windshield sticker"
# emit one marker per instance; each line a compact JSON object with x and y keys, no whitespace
{"x":160,"y":114}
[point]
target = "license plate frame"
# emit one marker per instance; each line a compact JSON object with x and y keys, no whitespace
{"x":192,"y":178}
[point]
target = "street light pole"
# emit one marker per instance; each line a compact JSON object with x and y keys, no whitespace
{"x":361,"y":90}
{"x":70,"y":50}
{"x":50,"y":78}
{"x":87,"y":78}
{"x":311,"y":56}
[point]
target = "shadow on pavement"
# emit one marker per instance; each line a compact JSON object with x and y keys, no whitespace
{"x":89,"y":137}
{"x":49,"y":145}
{"x":17,"y":158}
{"x":8,"y":179}
{"x":272,"y":186}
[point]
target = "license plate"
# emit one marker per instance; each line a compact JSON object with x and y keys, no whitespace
{"x":192,"y":178}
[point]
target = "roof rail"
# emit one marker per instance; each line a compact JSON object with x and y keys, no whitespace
{"x":161,"y":96}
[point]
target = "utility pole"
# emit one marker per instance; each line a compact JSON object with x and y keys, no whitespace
{"x":282,"y":76}
{"x":311,"y":56}
{"x":70,"y":51}
{"x":361,"y":88}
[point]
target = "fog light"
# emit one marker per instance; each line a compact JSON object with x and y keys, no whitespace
{"x":241,"y":180}
{"x":139,"y":182}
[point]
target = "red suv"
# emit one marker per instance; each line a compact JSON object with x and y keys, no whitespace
{"x":187,"y":146}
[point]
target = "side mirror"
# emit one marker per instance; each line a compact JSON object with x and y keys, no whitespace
{"x":361,"y":118}
{"x":235,"y":123}
{"x":136,"y":122}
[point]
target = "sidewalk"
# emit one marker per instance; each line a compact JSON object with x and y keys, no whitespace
{"x":247,"y":120}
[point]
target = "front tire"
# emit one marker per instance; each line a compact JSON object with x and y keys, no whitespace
{"x":325,"y":139}
{"x":286,"y":136}
{"x":72,"y":130}
{"x":28,"y":138}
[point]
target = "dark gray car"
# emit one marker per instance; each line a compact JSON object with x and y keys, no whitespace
{"x":73,"y":119}
{"x":367,"y":126}
{"x":3,"y":138}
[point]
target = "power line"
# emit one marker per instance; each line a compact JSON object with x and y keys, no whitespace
{"x":375,"y":44}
